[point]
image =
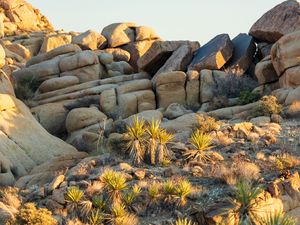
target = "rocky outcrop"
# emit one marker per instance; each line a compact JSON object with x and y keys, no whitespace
{"x":21,"y":151}
{"x":18,"y":16}
{"x":285,"y":58}
{"x":265,"y":72}
{"x":214,"y":54}
{"x":281,"y":20}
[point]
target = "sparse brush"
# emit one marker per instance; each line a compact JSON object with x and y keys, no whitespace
{"x":154,"y":191}
{"x":286,"y":161}
{"x":135,"y":145}
{"x":182,"y":189}
{"x":9,"y":196}
{"x":99,"y":202}
{"x":267,"y":106}
{"x":247,"y":97}
{"x":132,"y":195}
{"x":114,"y":183}
{"x":277,"y":218}
{"x":73,"y":197}
{"x":96,"y":217}
{"x":29,"y":214}
{"x":181,"y":221}
{"x":244,"y":200}
{"x":207,"y":124}
{"x":201,"y":142}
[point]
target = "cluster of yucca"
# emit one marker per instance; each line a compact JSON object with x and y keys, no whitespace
{"x":112,"y":206}
{"x":147,"y":141}
{"x":170,"y":191}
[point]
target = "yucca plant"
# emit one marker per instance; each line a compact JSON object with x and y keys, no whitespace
{"x":277,"y":218}
{"x":182,"y":190}
{"x":159,"y":138}
{"x":244,"y":199}
{"x":132,"y":195}
{"x":73,"y":197}
{"x":201,"y":142}
{"x":119,"y":216}
{"x":169,"y":190}
{"x":96,"y":217}
{"x":114,"y":184}
{"x":181,"y":221}
{"x":154,"y":192}
{"x":153,"y":131}
{"x":99,"y":202}
{"x":136,"y":143}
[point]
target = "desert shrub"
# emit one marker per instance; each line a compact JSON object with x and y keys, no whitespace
{"x":267,"y":106}
{"x":26,"y":88}
{"x":114,"y":184}
{"x":181,"y":221}
{"x":201,"y":143}
{"x":233,"y":85}
{"x":9,"y":196}
{"x":207,"y":124}
{"x":218,"y":102}
{"x":237,"y":172}
{"x":277,"y":218}
{"x":29,"y":214}
{"x":136,"y":143}
{"x":247,"y":97}
{"x":286,"y":161}
{"x":243,"y":198}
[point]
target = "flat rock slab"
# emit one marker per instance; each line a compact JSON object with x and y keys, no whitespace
{"x":244,"y":50}
{"x":280,"y":20}
{"x":214,"y":54}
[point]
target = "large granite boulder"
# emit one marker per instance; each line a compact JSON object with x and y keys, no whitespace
{"x":24,"y":143}
{"x":87,"y":40}
{"x":214,"y":54}
{"x":285,"y":58}
{"x":54,"y":41}
{"x":264,"y":71}
{"x":244,"y":50}
{"x":159,"y":53}
{"x":280,"y":20}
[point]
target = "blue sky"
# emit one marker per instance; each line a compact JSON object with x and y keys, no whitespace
{"x":197,"y":20}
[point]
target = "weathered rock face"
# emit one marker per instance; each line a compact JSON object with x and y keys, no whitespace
{"x":21,"y":151}
{"x":244,"y":50}
{"x":282,"y":19}
{"x":88,"y":40}
{"x":285,"y":58}
{"x":160,"y":52}
{"x":21,"y":16}
{"x":265,"y":72}
{"x":54,"y":41}
{"x":170,"y":88}
{"x":214,"y":54}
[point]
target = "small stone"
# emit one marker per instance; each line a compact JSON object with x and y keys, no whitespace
{"x":260,"y":156}
{"x":169,"y":172}
{"x":125,"y":166}
{"x":275,"y":118}
{"x":58,"y":196}
{"x":140,"y":174}
{"x":56,"y":182}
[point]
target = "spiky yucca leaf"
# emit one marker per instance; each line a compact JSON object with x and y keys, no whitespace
{"x":244,"y":196}
{"x":114,"y":183}
{"x":73,"y":197}
{"x":154,"y":191}
{"x":182,"y":190}
{"x":277,"y":218}
{"x":153,"y":129}
{"x":119,"y":216}
{"x":96,"y":217}
{"x":99,"y":202}
{"x":201,"y":142}
{"x":181,"y":221}
{"x":132,"y":195}
{"x":135,"y":145}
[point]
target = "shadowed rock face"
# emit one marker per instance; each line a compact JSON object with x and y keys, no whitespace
{"x":282,"y":19}
{"x":214,"y":54}
{"x":244,"y":49}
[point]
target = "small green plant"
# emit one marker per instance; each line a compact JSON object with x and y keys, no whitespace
{"x":181,"y":221}
{"x":96,"y":217}
{"x":182,"y":190}
{"x":201,"y":143}
{"x":243,"y":198}
{"x":26,"y":88}
{"x":168,"y":188}
{"x":29,"y":214}
{"x":154,"y":191}
{"x":114,"y":183}
{"x":132,"y":195}
{"x":136,"y":143}
{"x":247,"y":97}
{"x":267,"y":106}
{"x":73,"y":197}
{"x":119,"y":216}
{"x":99,"y":202}
{"x":277,"y":218}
